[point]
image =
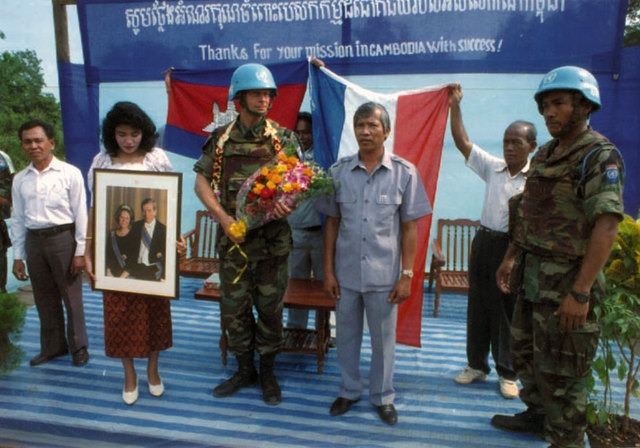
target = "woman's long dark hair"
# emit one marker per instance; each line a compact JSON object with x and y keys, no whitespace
{"x":128,"y":113}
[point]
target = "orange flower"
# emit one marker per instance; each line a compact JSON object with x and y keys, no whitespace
{"x":308,"y":172}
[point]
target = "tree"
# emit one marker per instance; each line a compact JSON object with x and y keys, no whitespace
{"x":632,"y":28}
{"x":21,"y":98}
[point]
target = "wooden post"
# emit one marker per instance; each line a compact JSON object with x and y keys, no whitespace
{"x":61,"y":28}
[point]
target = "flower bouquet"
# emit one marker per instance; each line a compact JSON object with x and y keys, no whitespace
{"x":285,"y":179}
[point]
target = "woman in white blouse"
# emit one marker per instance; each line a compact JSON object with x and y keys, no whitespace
{"x":135,"y":326}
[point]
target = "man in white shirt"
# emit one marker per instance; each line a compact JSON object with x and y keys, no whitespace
{"x":152,"y":235}
{"x":48,"y":226}
{"x":489,"y":310}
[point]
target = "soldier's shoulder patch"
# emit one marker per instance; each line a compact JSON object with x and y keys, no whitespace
{"x":612,"y":174}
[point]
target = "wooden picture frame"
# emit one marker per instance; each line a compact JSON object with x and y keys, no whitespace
{"x":129,"y":256}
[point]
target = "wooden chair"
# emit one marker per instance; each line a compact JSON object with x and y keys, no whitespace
{"x":450,"y":260}
{"x":200,"y":260}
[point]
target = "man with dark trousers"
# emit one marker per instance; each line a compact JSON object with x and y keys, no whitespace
{"x":489,"y":310}
{"x":153,"y":238}
{"x":48,"y":226}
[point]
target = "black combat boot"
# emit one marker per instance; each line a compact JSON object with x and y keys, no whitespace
{"x":528,"y":422}
{"x":246,"y":376}
{"x":268,"y":382}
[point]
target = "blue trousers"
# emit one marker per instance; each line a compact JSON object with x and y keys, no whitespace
{"x":381,"y":318}
{"x":306,"y":257}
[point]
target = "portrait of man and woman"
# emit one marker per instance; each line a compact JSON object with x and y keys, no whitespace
{"x":136,"y":238}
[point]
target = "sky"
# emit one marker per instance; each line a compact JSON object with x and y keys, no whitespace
{"x":28,"y":25}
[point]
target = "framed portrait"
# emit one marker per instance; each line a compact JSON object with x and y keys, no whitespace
{"x":136,"y":222}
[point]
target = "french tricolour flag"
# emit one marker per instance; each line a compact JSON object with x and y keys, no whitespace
{"x":198,"y":103}
{"x":418,"y":124}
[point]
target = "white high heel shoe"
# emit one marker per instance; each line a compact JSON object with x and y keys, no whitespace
{"x":130,"y":397}
{"x":156,"y":389}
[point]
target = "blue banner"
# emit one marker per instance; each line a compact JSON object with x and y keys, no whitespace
{"x":79,"y":102}
{"x":138,"y":39}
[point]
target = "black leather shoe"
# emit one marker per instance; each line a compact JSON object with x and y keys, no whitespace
{"x":41,"y":358}
{"x":523,"y":422}
{"x":341,"y":406}
{"x":80,"y":357}
{"x":388,"y":414}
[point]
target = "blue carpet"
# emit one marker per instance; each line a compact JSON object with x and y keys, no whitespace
{"x":58,"y":405}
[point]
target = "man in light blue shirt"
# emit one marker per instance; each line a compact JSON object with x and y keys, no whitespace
{"x":306,"y":230}
{"x":370,"y":246}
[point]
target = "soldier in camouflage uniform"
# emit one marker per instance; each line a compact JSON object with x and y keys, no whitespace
{"x":232,"y":154}
{"x":6,"y":177}
{"x":562,"y":228}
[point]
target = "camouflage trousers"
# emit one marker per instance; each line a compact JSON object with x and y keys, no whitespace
{"x":262,"y":285}
{"x":553,"y":368}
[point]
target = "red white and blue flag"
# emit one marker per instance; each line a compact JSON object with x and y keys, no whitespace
{"x":418,"y":124}
{"x":198,"y":103}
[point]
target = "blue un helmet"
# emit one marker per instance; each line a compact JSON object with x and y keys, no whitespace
{"x":251,"y":77}
{"x":570,"y":78}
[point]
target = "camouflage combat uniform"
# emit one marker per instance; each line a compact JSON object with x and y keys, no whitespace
{"x":264,"y":281}
{"x":551,"y":222}
{"x":6,"y":176}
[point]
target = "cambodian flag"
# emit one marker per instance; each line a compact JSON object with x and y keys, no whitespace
{"x":418,"y":124}
{"x":198,"y":103}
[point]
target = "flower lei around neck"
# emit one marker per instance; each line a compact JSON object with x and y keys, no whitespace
{"x":269,"y":131}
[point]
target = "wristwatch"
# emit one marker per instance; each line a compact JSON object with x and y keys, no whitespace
{"x":407,"y":272}
{"x":580,"y":297}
